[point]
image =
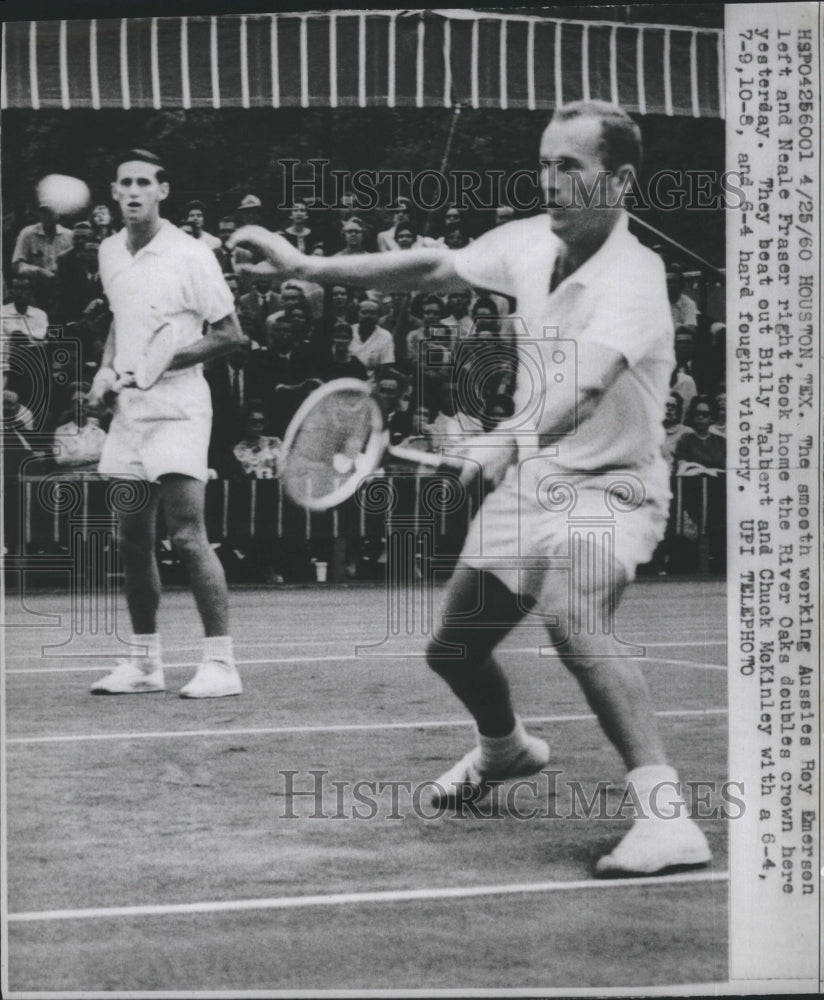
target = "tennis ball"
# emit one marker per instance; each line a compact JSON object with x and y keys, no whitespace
{"x":64,"y":195}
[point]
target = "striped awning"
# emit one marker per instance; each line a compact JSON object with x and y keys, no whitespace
{"x":405,"y":58}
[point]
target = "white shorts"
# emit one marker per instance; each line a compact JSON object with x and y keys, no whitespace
{"x":165,"y":429}
{"x":539,"y":520}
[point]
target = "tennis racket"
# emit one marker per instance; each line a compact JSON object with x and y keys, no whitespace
{"x":335,"y":440}
{"x":154,"y":362}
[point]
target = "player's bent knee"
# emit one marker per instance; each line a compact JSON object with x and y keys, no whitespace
{"x":189,"y":539}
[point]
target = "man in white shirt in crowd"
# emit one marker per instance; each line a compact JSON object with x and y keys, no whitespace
{"x":21,"y":316}
{"x":156,"y":276}
{"x":683,"y":308}
{"x":196,"y":217}
{"x":35,"y":254}
{"x":458,"y":317}
{"x":575,"y":269}
{"x":371,"y":344}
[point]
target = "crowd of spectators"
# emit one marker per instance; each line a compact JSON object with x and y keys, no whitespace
{"x":443,"y":367}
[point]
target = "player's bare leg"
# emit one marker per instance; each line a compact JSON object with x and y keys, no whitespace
{"x":479,"y":612}
{"x":137,"y":538}
{"x":141,"y":672}
{"x":662,"y":837}
{"x":183,"y":508}
{"x":614,"y":686}
{"x":184,"y":502}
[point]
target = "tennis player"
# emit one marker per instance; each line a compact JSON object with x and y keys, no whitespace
{"x":576,"y":272}
{"x":155,"y":275}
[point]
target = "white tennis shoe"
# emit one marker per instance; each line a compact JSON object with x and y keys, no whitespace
{"x":133,"y":675}
{"x":213,"y":679}
{"x":654,"y":845}
{"x":467,"y":781}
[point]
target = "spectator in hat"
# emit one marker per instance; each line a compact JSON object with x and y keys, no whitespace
{"x":248,"y":213}
{"x":196,"y":218}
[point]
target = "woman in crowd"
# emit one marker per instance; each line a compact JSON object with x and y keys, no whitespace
{"x":719,"y":425}
{"x":257,"y":454}
{"x":354,"y":235}
{"x":101,"y":220}
{"x":700,"y":461}
{"x":700,"y":447}
{"x":406,"y":236}
{"x":673,"y":428}
{"x":297,"y":232}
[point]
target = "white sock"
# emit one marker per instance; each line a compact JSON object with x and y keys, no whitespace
{"x":498,"y":751}
{"x":658,"y":789}
{"x":218,"y":647}
{"x":152,"y":644}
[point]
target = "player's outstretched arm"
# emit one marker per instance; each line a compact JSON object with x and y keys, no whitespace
{"x":221,"y":338}
{"x":399,"y":270}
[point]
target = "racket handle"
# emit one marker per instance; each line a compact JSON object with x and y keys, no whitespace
{"x":434,"y":460}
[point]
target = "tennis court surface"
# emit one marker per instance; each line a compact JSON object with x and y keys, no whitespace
{"x":161,"y":844}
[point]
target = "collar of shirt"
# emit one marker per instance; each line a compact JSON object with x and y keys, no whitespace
{"x":603,"y":256}
{"x":161,"y":240}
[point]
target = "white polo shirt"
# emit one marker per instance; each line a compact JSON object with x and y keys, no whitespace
{"x":33,"y":323}
{"x":377,"y":349}
{"x":173,"y":279}
{"x":617,"y":298}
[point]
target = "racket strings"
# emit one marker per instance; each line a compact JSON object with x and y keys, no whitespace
{"x":329,"y":446}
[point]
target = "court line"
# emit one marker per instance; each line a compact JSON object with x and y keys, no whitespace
{"x":356,"y":727}
{"x":349,"y":658}
{"x":315,"y":643}
{"x":355,"y":898}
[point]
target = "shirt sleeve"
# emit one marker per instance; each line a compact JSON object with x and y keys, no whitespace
{"x":20,"y":248}
{"x":212,"y":297}
{"x":486,"y":262}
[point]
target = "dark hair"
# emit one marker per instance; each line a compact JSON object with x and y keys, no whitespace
{"x":143,"y":156}
{"x":695,"y":402}
{"x":679,"y":405}
{"x":433,"y":299}
{"x":485,"y":303}
{"x":620,"y":136}
{"x":342,"y":325}
{"x":408,"y":227}
{"x":196,"y":204}
{"x":503,"y":400}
